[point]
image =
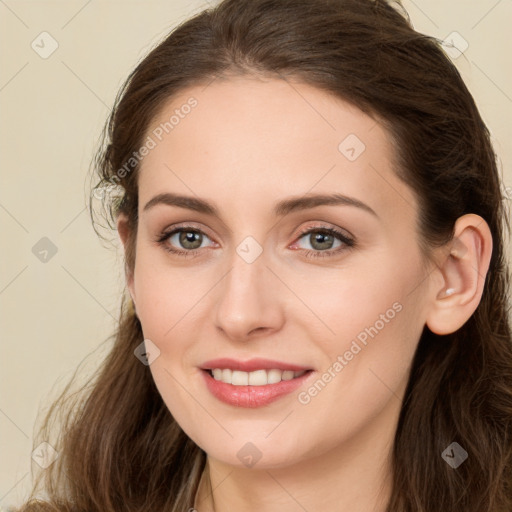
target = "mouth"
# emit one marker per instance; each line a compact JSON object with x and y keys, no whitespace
{"x":261,"y":377}
{"x":252,"y":383}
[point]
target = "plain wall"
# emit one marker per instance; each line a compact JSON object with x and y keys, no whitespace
{"x":55,"y":313}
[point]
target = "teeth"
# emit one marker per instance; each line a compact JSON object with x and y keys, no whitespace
{"x":274,"y":376}
{"x":239,"y":378}
{"x":288,"y":375}
{"x":256,"y":378}
{"x":226,"y":375}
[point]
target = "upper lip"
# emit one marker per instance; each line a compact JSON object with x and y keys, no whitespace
{"x":251,"y":365}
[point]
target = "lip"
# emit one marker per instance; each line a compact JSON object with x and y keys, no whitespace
{"x":251,"y":365}
{"x":252,"y":396}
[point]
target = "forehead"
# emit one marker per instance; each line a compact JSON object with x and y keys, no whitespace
{"x":243,"y":140}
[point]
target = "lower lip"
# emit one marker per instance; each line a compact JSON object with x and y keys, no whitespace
{"x":252,"y":396}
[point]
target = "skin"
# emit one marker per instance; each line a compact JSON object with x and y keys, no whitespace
{"x":247,"y":144}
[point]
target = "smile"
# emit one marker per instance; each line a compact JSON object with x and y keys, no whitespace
{"x":256,"y":378}
{"x":252,"y":383}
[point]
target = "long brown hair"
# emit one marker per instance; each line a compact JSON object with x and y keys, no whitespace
{"x":120,"y":448}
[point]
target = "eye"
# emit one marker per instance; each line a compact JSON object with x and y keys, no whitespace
{"x":323,"y":239}
{"x":188,"y":237}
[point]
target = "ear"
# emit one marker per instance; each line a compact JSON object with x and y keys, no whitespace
{"x":123,"y":230}
{"x":460,"y":276}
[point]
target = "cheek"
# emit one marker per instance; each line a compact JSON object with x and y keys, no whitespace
{"x":375,"y":319}
{"x":367,"y":294}
{"x":362,"y":380}
{"x":167,"y":297}
{"x":180,"y":399}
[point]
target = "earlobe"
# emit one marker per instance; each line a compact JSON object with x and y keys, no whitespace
{"x":462,"y":268}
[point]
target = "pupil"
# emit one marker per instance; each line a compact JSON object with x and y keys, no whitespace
{"x":322,"y":238}
{"x":189,"y":237}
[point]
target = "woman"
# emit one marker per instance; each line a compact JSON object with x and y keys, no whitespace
{"x":311,"y":217}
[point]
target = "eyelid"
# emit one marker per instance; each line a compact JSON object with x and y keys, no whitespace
{"x":319,"y":225}
{"x":347,"y":242}
{"x":192,"y":226}
{"x":162,"y":238}
{"x":310,"y":225}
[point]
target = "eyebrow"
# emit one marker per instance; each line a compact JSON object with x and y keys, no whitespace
{"x":281,"y":208}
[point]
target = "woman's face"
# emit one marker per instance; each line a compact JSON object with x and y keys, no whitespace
{"x":259,"y":277}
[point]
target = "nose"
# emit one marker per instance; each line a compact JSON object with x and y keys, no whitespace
{"x":249,"y":300}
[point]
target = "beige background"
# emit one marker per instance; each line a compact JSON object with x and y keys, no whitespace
{"x":56,"y":313}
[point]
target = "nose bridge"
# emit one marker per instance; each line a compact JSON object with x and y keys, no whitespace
{"x":248,"y":265}
{"x":246,"y":299}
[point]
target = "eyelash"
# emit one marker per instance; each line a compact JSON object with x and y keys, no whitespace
{"x":348,"y":243}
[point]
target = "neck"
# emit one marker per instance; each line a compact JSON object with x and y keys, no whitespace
{"x":354,"y":476}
